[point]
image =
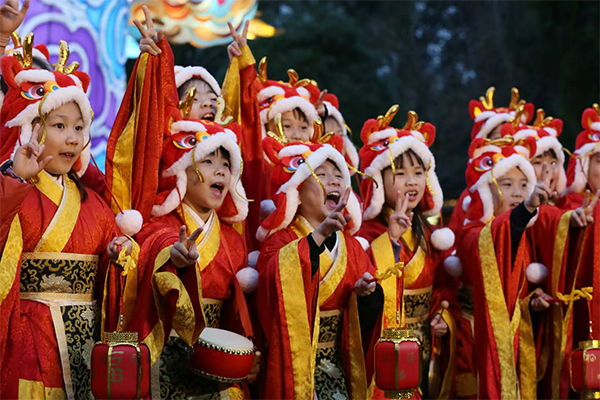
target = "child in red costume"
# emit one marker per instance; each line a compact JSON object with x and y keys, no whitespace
{"x":402,"y":192}
{"x":56,"y":235}
{"x":310,"y":271}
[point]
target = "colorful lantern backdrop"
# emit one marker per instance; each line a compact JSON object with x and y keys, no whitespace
{"x":100,"y":40}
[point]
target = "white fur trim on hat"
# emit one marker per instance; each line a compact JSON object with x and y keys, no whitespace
{"x":336,"y":115}
{"x":184,"y":74}
{"x":486,"y":149}
{"x":492,"y":122}
{"x":290,"y":188}
{"x":582,"y":166}
{"x":270,"y":91}
{"x":187,"y":126}
{"x":442,"y":239}
{"x":35,"y":75}
{"x":536,"y":273}
{"x":382,"y":161}
{"x":351,"y":152}
{"x":248,"y":279}
{"x":453,"y":266}
{"x":266,"y":208}
{"x":465,"y":203}
{"x":595,"y":126}
{"x":499,"y":170}
{"x":289,"y":104}
{"x":363,"y":242}
{"x":207,"y":146}
{"x":380,"y":135}
{"x":129,"y":221}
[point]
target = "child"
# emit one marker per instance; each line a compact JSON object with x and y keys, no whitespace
{"x":56,"y":234}
{"x":397,"y":201}
{"x":309,"y":273}
{"x":194,"y":209}
{"x":506,"y":201}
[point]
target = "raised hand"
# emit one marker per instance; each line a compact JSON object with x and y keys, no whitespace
{"x":150,"y":36}
{"x":365,"y":285}
{"x":184,"y":252}
{"x":400,"y":220}
{"x":11,"y":17}
{"x":540,"y":300}
{"x":239,"y":41}
{"x":116,"y":245}
{"x":25,"y":162}
{"x":542,"y":193}
{"x":334,"y":222}
{"x":319,"y":106}
{"x":583,"y":216}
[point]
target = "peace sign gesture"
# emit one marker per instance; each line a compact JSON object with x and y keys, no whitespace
{"x":11,"y":17}
{"x":150,"y":36}
{"x":542,"y":193}
{"x":400,"y":220}
{"x":184,"y":251}
{"x":319,"y":106}
{"x":583,"y":216}
{"x":239,"y":41}
{"x":25,"y":161}
{"x":334,"y":222}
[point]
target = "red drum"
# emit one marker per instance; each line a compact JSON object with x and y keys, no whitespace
{"x":585,"y":369}
{"x":222,"y":355}
{"x":120,"y":367}
{"x":398,"y":363}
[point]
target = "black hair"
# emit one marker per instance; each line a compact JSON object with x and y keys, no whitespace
{"x":299,"y":114}
{"x":183,"y":90}
{"x":548,"y":153}
{"x":79,"y":184}
{"x":412,"y":156}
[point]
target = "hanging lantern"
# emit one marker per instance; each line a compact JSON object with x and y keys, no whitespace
{"x":222,"y":355}
{"x":120,"y":367}
{"x":398,"y":363}
{"x":585,"y":369}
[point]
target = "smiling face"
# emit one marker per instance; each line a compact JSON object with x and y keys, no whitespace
{"x":331,"y":125}
{"x":64,"y":138}
{"x":209,"y":193}
{"x":295,"y":126}
{"x":410,"y":178}
{"x":513,"y":185}
{"x":313,"y":206}
{"x":548,"y":157}
{"x":205,"y":100}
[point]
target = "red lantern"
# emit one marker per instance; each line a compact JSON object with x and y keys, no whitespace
{"x":585,"y":369}
{"x":222,"y":355}
{"x":398,"y":363}
{"x":120,"y":367}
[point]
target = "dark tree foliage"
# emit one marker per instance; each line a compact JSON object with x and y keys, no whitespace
{"x":433,"y":57}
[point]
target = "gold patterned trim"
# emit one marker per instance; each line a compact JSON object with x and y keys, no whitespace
{"x":66,"y":297}
{"x":330,"y":313}
{"x":416,"y":320}
{"x":337,"y":270}
{"x":60,"y":256}
{"x":326,"y":345}
{"x":36,"y":390}
{"x":212,"y":301}
{"x":63,"y":349}
{"x":217,"y":377}
{"x":10,"y":258}
{"x":415,"y":292}
{"x":466,"y":384}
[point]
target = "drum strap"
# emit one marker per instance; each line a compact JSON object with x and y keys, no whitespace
{"x":240,"y":300}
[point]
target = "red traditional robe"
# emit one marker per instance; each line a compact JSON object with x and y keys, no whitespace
{"x":425,"y":286}
{"x":174,"y":304}
{"x":300,"y":315}
{"x":52,"y":271}
{"x":504,"y":335}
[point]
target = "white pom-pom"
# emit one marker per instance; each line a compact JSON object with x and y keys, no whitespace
{"x":129,"y":222}
{"x":442,"y":239}
{"x":248,"y":279}
{"x":537,"y":273}
{"x":266,"y":208}
{"x":466,"y":202}
{"x":453,"y":266}
{"x":363,"y":242}
{"x":253,"y":258}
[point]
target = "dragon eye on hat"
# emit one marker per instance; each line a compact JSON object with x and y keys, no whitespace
{"x":291,"y":164}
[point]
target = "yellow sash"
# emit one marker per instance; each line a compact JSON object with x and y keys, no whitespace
{"x":10,"y":258}
{"x":63,"y":222}
{"x":209,"y":240}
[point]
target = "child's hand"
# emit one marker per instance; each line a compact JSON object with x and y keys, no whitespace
{"x":116,"y":245}
{"x":11,"y":17}
{"x":542,"y":194}
{"x":25,"y":161}
{"x":365,"y":285}
{"x":255,"y":368}
{"x":334,"y":222}
{"x":184,"y":252}
{"x":539,"y":300}
{"x":239,"y":41}
{"x":439,"y":327}
{"x":583,"y":216}
{"x":400,"y":221}
{"x":319,"y":106}
{"x":150,"y":36}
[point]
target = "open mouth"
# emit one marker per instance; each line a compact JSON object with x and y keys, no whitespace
{"x":332,"y":199}
{"x":412,"y":195}
{"x":209,"y":116}
{"x":217,"y":189}
{"x":513,"y":205}
{"x":67,"y":155}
